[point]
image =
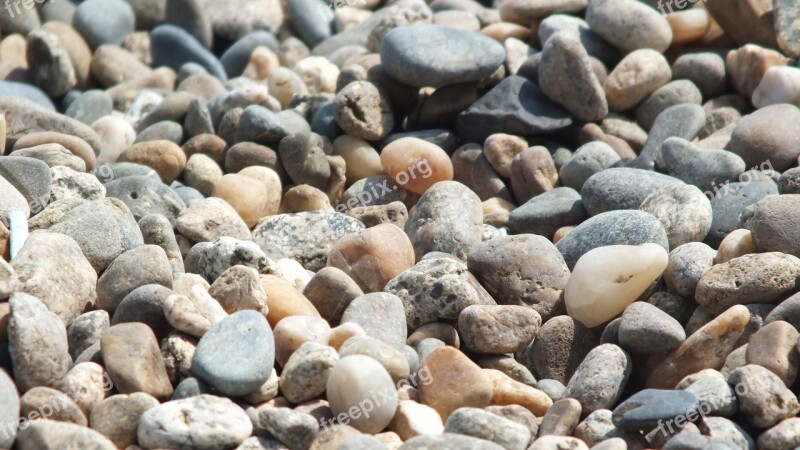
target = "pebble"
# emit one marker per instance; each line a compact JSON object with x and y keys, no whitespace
{"x":498,"y":329}
{"x":705,"y":69}
{"x":416,"y":165}
{"x":595,"y":46}
{"x":456,"y":382}
{"x":768,"y":231}
{"x":648,"y":408}
{"x":678,"y":92}
{"x":117,"y":417}
{"x":306,"y":372}
{"x":507,"y":391}
{"x":684,"y":212}
{"x":755,"y":147}
{"x":783,"y":435}
{"x":533,"y":172}
{"x":85,"y":330}
{"x":52,"y":435}
{"x":646,"y":329}
{"x":687,"y":265}
{"x":684,"y":121}
{"x":622,"y":188}
{"x":173,"y":47}
{"x":706,"y":348}
{"x":448,"y":439}
{"x":293,"y":331}
{"x":753,"y":278}
{"x":774,"y":347}
{"x":704,"y":168}
{"x":599,"y":380}
{"x":363,"y":111}
{"x":133,"y":360}
{"x":589,"y":159}
{"x":763,"y":398}
{"x":11,"y":408}
{"x":514,"y":106}
{"x":50,"y":63}
{"x":37,"y":343}
{"x":103,"y":22}
{"x":194,"y":313}
{"x":614,"y":287}
{"x":581,"y":93}
{"x":414,"y":419}
{"x":203,"y":422}
{"x":525,"y":270}
{"x":211,"y":219}
{"x":64,"y":281}
{"x":491,"y":427}
{"x":381,"y":315}
{"x":731,"y":201}
{"x":290,"y":427}
{"x":629,"y":26}
{"x":147,"y":264}
{"x":360,"y":382}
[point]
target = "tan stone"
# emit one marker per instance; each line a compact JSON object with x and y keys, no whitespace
{"x":501,"y":31}
{"x":689,"y":25}
{"x":774,"y":347}
{"x":361,"y":158}
{"x":454,"y":382}
{"x":415,"y":419}
{"x":339,"y":335}
{"x":132,"y":357}
{"x":247,"y":195}
{"x":293,"y":331}
{"x":561,"y":232}
{"x":737,"y":243}
{"x":533,"y":172}
{"x":263,"y":62}
{"x":415,"y":164}
{"x":374,"y":256}
{"x":507,"y":391}
{"x":165,"y":157}
{"x":305,"y":198}
{"x":75,"y":145}
{"x":706,"y":348}
{"x":746,"y":66}
{"x":283,"y":300}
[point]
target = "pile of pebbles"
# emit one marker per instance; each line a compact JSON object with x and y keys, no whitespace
{"x":265,"y":224}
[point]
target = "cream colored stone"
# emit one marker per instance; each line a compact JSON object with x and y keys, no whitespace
{"x":339,"y":335}
{"x":361,"y":158}
{"x":689,"y":25}
{"x":318,"y":74}
{"x":415,"y":419}
{"x":293,"y":272}
{"x":284,"y":84}
{"x":272,"y":182}
{"x":607,"y":279}
{"x":357,"y":384}
{"x":294,"y":331}
{"x":195,"y":313}
{"x":737,"y":243}
{"x":263,"y":62}
{"x":284,"y":300}
{"x":780,"y":84}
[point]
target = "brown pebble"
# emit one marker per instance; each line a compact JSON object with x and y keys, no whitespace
{"x":532,"y":173}
{"x":454,"y":381}
{"x":165,"y":157}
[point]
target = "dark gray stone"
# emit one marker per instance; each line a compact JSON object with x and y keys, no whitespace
{"x":313,"y":20}
{"x":26,"y":91}
{"x":683,"y":121}
{"x":173,"y":47}
{"x":547,"y":212}
{"x":103,"y":21}
{"x":515,"y":106}
{"x":730,"y":201}
{"x":646,"y":329}
{"x":622,"y":188}
{"x":643,"y":410}
{"x":381,"y":315}
{"x":31,"y":177}
{"x":237,"y":56}
{"x":145,"y":195}
{"x":165,"y":130}
{"x":703,"y":168}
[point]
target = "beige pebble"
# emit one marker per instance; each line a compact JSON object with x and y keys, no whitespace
{"x":500,"y":149}
{"x":318,"y":74}
{"x":689,"y":25}
{"x":454,"y":382}
{"x":305,"y":198}
{"x":202,"y":173}
{"x":293,"y":331}
{"x":284,"y":300}
{"x":263,"y":62}
{"x":339,"y":335}
{"x":561,"y":232}
{"x":284,"y":84}
{"x":165,"y":157}
{"x":361,"y":158}
{"x":415,"y":419}
{"x":374,"y":256}
{"x":195,"y":313}
{"x":415,"y":164}
{"x":501,"y":31}
{"x":247,"y":195}
{"x":507,"y":391}
{"x":737,"y":243}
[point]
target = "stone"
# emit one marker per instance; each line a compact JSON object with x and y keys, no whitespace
{"x":165,"y":157}
{"x":102,"y":22}
{"x":203,"y":421}
{"x":507,"y":391}
{"x":470,"y":57}
{"x":618,"y":285}
{"x":589,"y":159}
{"x":763,"y":223}
{"x":783,"y":435}
{"x":448,"y":439}
{"x":221,"y":352}
{"x":753,"y":278}
{"x":86,"y":330}
{"x":63,"y":279}
{"x":414,"y":419}
{"x":194,"y":313}
{"x":238,"y":289}
{"x":524,"y":270}
{"x":774,"y":347}
{"x":561,"y":419}
{"x":52,"y":435}
{"x":53,"y":155}
{"x":294,"y":331}
{"x":756,"y":145}
{"x":629,"y":26}
{"x":533,"y":172}
{"x":622,"y":188}
{"x":117,"y":417}
{"x":363,"y":111}
{"x":599,"y":380}
{"x":514,"y":106}
{"x":683,"y":120}
{"x":706,"y":348}
{"x":415,"y":164}
{"x":50,"y":63}
{"x":448,"y":392}
{"x":392,"y":359}
{"x":294,"y":428}
{"x":485,"y":425}
{"x":173,"y":47}
{"x":358,"y":381}
{"x":147,"y":264}
{"x":678,"y":92}
{"x":687,"y":264}
{"x":133,"y":360}
{"x":284,"y":300}
{"x":381,"y":315}
{"x":37,"y":344}
{"x":10,"y":413}
{"x":39,"y":400}
{"x":646,"y":329}
{"x":211,"y":219}
{"x":744,"y":22}
{"x":306,"y":373}
{"x":648,"y":408}
{"x":763,"y":398}
{"x":713,"y":392}
{"x":20,"y":172}
{"x":437,"y":288}
{"x":595,"y":46}
{"x":498,"y":329}
{"x":447,"y":218}
{"x":706,"y":169}
{"x":70,"y":183}
{"x":581,"y":93}
{"x":331,"y":290}
{"x":705,"y":69}
{"x":112,"y":65}
{"x":684,"y":212}
{"x":730,"y":202}
{"x":368,"y":259}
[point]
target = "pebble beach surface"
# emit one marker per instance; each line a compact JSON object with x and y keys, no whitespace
{"x":399,"y":224}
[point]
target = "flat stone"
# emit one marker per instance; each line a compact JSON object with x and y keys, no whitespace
{"x":711,"y":388}
{"x":683,"y":210}
{"x":381,"y":315}
{"x":755,"y":137}
{"x":101,"y":22}
{"x":599,"y":380}
{"x":763,"y":398}
{"x":147,"y":264}
{"x":678,"y":92}
{"x":683,"y":120}
{"x":622,"y":188}
{"x":704,"y":168}
{"x":774,"y":347}
{"x":648,"y":408}
{"x":630,"y":25}
{"x":414,"y":55}
{"x":514,"y":106}
{"x":117,"y":417}
{"x":203,"y":422}
{"x":211,"y":219}
{"x":647,"y":329}
{"x":306,"y":373}
{"x":445,"y":440}
{"x":37,"y":344}
{"x":173,"y":47}
{"x":563,"y":23}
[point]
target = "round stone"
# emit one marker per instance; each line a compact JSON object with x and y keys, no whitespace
{"x":360,"y":383}
{"x":683,"y":210}
{"x":629,"y":25}
{"x":363,"y":111}
{"x":415,"y":164}
{"x":768,"y":136}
